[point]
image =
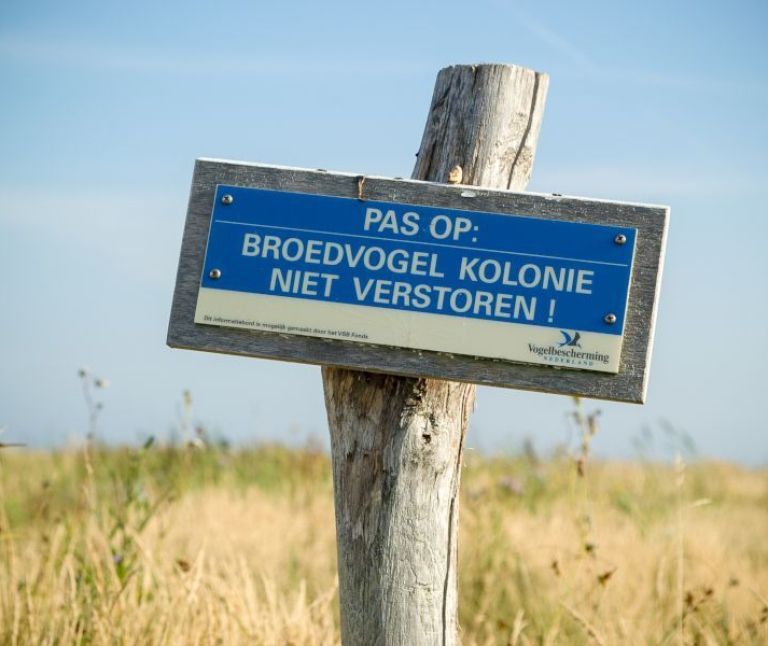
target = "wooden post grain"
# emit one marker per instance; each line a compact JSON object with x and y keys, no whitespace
{"x":397,"y":442}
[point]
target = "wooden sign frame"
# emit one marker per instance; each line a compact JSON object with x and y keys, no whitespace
{"x":629,"y":385}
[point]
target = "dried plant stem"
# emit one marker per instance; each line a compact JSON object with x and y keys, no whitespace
{"x":585,"y":624}
{"x":680,"y":481}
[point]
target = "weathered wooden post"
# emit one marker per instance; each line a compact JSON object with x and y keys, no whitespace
{"x":413,"y":291}
{"x":397,"y":442}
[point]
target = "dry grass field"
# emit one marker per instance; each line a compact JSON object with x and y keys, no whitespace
{"x":165,"y":545}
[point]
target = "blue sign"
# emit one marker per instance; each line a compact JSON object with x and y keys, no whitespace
{"x":524,"y":274}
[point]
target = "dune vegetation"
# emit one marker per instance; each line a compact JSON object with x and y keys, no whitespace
{"x":211,"y":545}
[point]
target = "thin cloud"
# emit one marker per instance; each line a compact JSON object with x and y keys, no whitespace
{"x":644,"y":184}
{"x":113,"y":227}
{"x":582,"y":65}
{"x":564,"y":47}
{"x":20,"y":48}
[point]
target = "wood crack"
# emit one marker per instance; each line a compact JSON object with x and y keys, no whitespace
{"x":527,"y":131}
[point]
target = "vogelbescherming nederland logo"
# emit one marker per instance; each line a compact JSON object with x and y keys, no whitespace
{"x":568,"y":351}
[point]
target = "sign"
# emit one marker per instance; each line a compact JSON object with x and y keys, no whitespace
{"x":420,"y":278}
{"x":466,"y":282}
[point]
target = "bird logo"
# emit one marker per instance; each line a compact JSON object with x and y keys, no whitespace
{"x":570,"y":340}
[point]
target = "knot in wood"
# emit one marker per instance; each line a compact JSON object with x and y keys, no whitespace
{"x":455,"y":175}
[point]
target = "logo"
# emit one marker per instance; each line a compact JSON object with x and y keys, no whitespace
{"x":568,"y":352}
{"x":570,"y":340}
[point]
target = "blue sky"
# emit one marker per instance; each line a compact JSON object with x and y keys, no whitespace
{"x":105,"y":106}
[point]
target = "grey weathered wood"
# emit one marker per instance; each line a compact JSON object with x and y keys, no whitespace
{"x":485,"y":119}
{"x":396,"y":448}
{"x":628,"y":385}
{"x":396,"y":441}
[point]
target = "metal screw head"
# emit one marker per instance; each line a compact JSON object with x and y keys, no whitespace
{"x":620,"y":239}
{"x":227,"y":199}
{"x":215,"y":274}
{"x":610,"y":319}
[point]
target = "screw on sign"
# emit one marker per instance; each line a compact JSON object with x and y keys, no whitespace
{"x":409,"y":292}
